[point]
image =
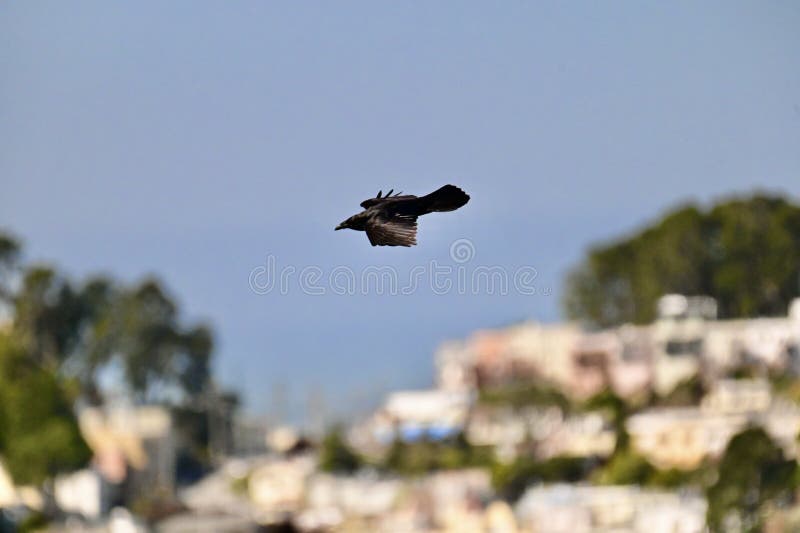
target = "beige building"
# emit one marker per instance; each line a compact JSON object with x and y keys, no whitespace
{"x":525,"y":350}
{"x":620,"y":359}
{"x":583,"y":435}
{"x":738,"y":396}
{"x":137,"y":442}
{"x":583,"y":509}
{"x":683,"y":437}
{"x":279,"y":486}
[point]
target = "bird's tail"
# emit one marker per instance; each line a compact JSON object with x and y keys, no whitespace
{"x":448,"y":198}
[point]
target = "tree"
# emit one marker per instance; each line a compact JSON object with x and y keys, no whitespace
{"x":157,"y":355}
{"x":9,"y":255}
{"x":69,"y":332}
{"x":39,"y":436}
{"x":617,"y":409}
{"x":752,"y":472}
{"x":626,"y":467}
{"x":743,"y":252}
{"x":511,"y":480}
{"x":79,"y":330}
{"x":523,"y":394}
{"x":428,"y":455}
{"x":48,"y":314}
{"x":686,"y":393}
{"x":336,"y":456}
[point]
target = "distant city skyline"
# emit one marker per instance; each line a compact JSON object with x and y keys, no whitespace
{"x":178,"y":139}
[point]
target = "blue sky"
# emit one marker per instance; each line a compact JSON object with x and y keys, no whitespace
{"x":194,"y":139}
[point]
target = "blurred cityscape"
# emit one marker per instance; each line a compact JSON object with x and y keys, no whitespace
{"x":606,"y":338}
{"x":529,"y":428}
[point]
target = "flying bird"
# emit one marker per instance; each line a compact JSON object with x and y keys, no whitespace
{"x":392,"y":220}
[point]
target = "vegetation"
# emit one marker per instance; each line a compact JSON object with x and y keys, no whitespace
{"x":336,"y":456}
{"x":415,"y":458}
{"x":39,"y":435}
{"x":522,"y":395}
{"x":625,"y":468}
{"x":744,"y":252}
{"x":63,"y":335}
{"x":752,"y":473}
{"x":686,"y":393}
{"x":81,"y":329}
{"x":511,"y":480}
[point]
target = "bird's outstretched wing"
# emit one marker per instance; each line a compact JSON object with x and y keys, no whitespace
{"x":380,"y":198}
{"x":392,"y":231}
{"x":447,"y":198}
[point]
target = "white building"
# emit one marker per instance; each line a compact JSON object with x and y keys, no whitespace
{"x":582,"y":509}
{"x":278,"y":486}
{"x":84,"y":492}
{"x":684,"y":437}
{"x":678,"y":336}
{"x":428,"y":413}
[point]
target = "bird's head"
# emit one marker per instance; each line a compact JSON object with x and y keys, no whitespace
{"x":356,"y":222}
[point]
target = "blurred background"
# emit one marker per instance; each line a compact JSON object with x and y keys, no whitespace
{"x":641,"y":160}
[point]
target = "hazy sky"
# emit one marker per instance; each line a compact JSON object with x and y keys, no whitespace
{"x":195,"y":139}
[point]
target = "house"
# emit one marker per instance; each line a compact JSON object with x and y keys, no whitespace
{"x":433,"y":414}
{"x":278,"y":485}
{"x":84,"y":492}
{"x":457,"y":497}
{"x":738,"y":396}
{"x":683,"y":437}
{"x":583,"y":435}
{"x":500,"y":427}
{"x":579,"y":508}
{"x":678,"y":338}
{"x":361,"y":496}
{"x":132,"y":444}
{"x":519,"y":352}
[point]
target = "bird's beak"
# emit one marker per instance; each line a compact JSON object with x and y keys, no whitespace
{"x":340,"y":226}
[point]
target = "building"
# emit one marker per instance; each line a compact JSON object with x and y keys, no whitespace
{"x":500,"y":427}
{"x":582,"y":509}
{"x":584,"y":435}
{"x":738,"y":396}
{"x":684,"y":437}
{"x":135,"y":445}
{"x":678,"y":335}
{"x":432,"y":414}
{"x":278,"y":486}
{"x":520,"y":352}
{"x":84,"y":492}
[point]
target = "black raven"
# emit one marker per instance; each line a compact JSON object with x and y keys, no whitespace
{"x":392,"y":220}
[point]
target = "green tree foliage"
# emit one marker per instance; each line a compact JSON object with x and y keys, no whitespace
{"x":523,"y":394}
{"x":512,"y":479}
{"x":420,"y":457}
{"x":686,"y":393}
{"x":753,"y":471}
{"x":616,"y":408}
{"x":9,"y":255}
{"x":80,"y":329}
{"x":68,"y":332}
{"x":336,"y":456}
{"x":625,"y":468}
{"x":744,"y":252}
{"x":39,"y":436}
{"x":48,"y":315}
